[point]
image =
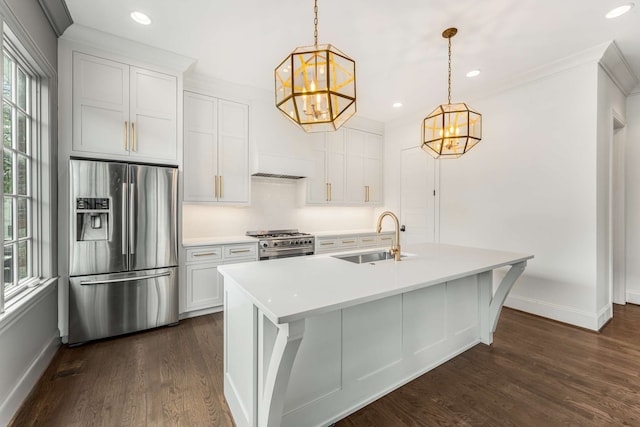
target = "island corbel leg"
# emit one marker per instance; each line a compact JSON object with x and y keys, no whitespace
{"x":490,"y":303}
{"x":285,"y":348}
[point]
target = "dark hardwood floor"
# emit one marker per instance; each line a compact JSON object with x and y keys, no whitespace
{"x":537,"y":373}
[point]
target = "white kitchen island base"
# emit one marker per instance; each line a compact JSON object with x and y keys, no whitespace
{"x":317,"y":364}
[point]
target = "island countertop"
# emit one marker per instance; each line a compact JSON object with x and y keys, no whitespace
{"x":294,"y":288}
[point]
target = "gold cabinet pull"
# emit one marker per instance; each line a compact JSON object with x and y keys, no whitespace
{"x":220,"y":182}
{"x":368,"y":194}
{"x":326,"y":191}
{"x":365,"y":194}
{"x":330,"y":195}
{"x":133,"y":137}
{"x":326,"y":243}
{"x":348,"y":241}
{"x":215,"y":187}
{"x":126,"y":129}
{"x":239,"y":251}
{"x":205,"y":254}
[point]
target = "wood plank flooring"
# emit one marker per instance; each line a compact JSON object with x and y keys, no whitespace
{"x":537,"y":373}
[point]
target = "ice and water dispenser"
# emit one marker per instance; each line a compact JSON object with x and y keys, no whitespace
{"x":92,"y":218}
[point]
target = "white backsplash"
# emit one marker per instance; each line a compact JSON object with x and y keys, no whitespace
{"x":275,"y":204}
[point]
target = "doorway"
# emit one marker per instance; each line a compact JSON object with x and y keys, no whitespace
{"x":617,"y":219}
{"x":418,"y":196}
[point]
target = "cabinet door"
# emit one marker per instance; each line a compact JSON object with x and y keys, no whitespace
{"x":233,"y":152}
{"x":200,"y":148}
{"x":373,"y":168}
{"x":317,"y":189}
{"x":100,"y":105}
{"x":204,"y":287}
{"x":356,"y":190}
{"x":153,"y":103}
{"x":336,"y":159}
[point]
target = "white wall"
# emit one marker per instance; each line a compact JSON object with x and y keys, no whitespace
{"x":275,"y":204}
{"x":28,"y":343}
{"x":29,"y":335}
{"x":632,"y":198}
{"x":529,"y":186}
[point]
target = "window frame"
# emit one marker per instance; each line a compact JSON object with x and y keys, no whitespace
{"x":12,"y":47}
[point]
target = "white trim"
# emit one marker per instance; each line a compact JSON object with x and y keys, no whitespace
{"x":604,"y":315}
{"x":202,"y":312}
{"x":587,"y":56}
{"x":28,"y":380}
{"x":88,"y":39}
{"x":617,"y":68}
{"x":582,"y":319}
{"x":633,"y":296}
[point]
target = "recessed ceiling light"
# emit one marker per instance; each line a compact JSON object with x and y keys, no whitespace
{"x":140,"y":18}
{"x":473,"y":73}
{"x":397,"y":104}
{"x":619,"y":11}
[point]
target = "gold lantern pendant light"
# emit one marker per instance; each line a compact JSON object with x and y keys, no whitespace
{"x":316,"y":85}
{"x":451,"y":129}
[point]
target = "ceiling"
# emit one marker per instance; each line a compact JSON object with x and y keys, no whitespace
{"x":397,"y":45}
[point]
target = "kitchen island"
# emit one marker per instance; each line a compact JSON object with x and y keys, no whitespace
{"x":309,"y":340}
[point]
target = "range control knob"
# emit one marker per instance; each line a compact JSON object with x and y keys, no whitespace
{"x":264,"y":245}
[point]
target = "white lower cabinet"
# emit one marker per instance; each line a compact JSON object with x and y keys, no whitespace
{"x":349,"y":242}
{"x":202,"y":291}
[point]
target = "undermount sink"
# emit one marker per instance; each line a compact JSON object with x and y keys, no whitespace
{"x":367,"y":257}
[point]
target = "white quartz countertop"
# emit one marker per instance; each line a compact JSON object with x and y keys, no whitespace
{"x":222,"y":240}
{"x":289,"y":289}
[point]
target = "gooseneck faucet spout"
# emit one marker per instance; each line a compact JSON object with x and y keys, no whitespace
{"x":395,"y":247}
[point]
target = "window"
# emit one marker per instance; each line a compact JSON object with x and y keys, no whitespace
{"x":19,"y":169}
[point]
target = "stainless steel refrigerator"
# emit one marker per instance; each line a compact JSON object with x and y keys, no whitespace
{"x":123,"y":249}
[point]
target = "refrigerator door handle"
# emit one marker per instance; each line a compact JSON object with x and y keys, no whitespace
{"x":125,"y":279}
{"x":124,"y":219}
{"x":132,"y":219}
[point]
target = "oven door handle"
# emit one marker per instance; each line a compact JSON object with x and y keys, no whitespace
{"x":270,"y":254}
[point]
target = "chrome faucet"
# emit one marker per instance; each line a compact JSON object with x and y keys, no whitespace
{"x":395,"y":248}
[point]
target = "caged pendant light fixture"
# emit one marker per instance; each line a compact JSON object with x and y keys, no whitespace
{"x":451,"y":129}
{"x":316,"y":85}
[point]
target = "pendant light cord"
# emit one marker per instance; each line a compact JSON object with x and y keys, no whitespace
{"x":315,"y":22}
{"x":449,"y":70}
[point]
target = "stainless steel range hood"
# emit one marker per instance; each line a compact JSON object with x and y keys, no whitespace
{"x":284,"y":167}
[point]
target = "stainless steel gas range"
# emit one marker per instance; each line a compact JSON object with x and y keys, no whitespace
{"x":282,"y":243}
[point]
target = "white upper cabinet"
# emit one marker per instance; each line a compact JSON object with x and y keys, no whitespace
{"x":329,"y":157}
{"x":364,"y":167}
{"x":216,"y":150}
{"x":348,"y":165}
{"x":123,"y":110}
{"x":336,"y":158}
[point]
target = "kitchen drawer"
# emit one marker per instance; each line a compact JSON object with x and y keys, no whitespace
{"x":364,"y":241}
{"x":241,"y":251}
{"x":204,"y":254}
{"x":326,"y":245}
{"x":347,"y":242}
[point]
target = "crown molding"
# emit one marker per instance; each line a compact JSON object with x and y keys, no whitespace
{"x":616,"y":66}
{"x":57,"y":14}
{"x":107,"y":42}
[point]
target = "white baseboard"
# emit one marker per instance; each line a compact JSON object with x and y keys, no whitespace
{"x":633,"y":297}
{"x":582,"y":319}
{"x":202,"y":312}
{"x":31,"y":376}
{"x":604,"y":315}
